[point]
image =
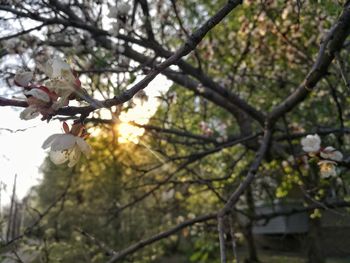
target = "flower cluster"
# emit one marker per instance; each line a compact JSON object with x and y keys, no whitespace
{"x":328,"y":157}
{"x":68,"y":146}
{"x":55,"y":93}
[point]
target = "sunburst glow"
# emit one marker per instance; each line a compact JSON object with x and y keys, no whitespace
{"x":141,"y":112}
{"x":129,"y":133}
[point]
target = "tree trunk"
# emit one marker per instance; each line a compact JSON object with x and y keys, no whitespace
{"x":252,"y":253}
{"x":314,"y":249}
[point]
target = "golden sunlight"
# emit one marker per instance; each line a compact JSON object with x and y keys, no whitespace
{"x":140,"y":113}
{"x":129,"y":133}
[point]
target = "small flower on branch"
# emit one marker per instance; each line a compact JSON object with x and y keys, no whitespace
{"x":326,"y":158}
{"x":62,"y":81}
{"x":311,"y":144}
{"x":68,"y":146}
{"x":332,"y":154}
{"x":40,"y":100}
{"x":327,"y":168}
{"x":23,"y":78}
{"x":54,"y":94}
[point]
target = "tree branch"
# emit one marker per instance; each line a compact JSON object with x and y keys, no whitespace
{"x":131,"y":249}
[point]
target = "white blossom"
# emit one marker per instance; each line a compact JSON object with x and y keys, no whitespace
{"x":38,"y":94}
{"x":38,"y":101}
{"x":62,"y":81}
{"x":66,"y":147}
{"x":332,"y":154}
{"x":327,"y":168}
{"x":23,"y":78}
{"x":311,"y":144}
{"x":57,"y":68}
{"x":29,"y":113}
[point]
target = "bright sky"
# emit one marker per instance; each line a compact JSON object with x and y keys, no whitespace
{"x":21,"y":152}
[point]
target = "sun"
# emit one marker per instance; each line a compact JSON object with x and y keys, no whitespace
{"x":140,"y":114}
{"x":129,"y":133}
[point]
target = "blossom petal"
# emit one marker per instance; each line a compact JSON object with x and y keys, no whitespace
{"x":47,"y":143}
{"x":63,"y":142}
{"x":83,"y":146}
{"x":327,"y":168}
{"x":63,"y":101}
{"x":337,"y":156}
{"x":331,"y":153}
{"x":329,"y":149}
{"x":65,"y":127}
{"x":39,"y":94}
{"x":312,"y":143}
{"x":59,"y":157}
{"x":57,"y":67}
{"x":29,"y":113}
{"x":60,"y":86}
{"x":74,"y":156}
{"x":22,"y":79}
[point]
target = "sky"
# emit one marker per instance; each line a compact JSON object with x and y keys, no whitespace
{"x":20,"y":151}
{"x":20,"y":140}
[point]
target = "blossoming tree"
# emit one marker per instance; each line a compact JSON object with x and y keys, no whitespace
{"x":255,"y":86}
